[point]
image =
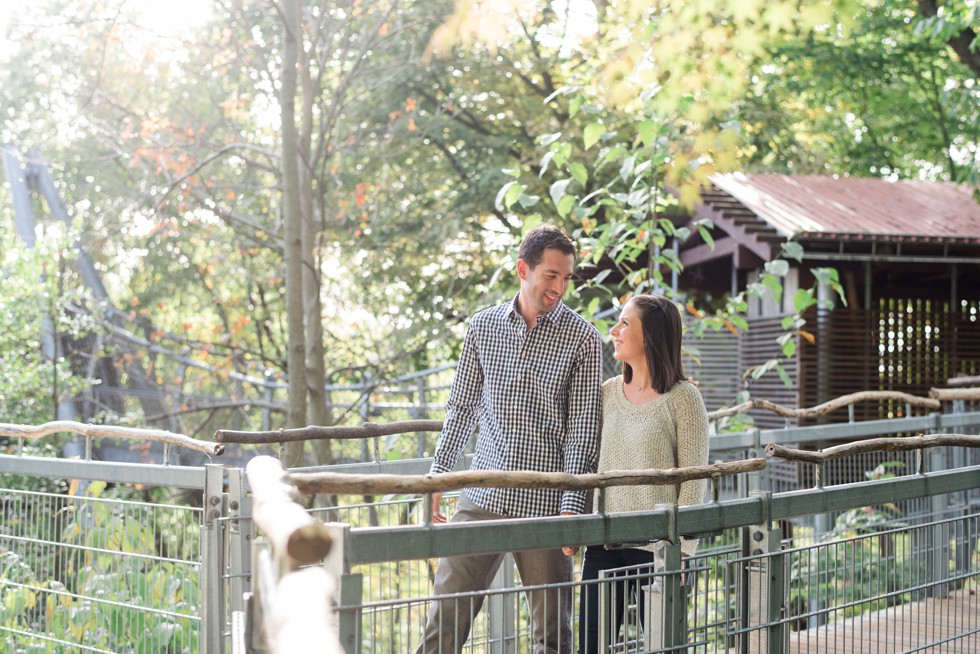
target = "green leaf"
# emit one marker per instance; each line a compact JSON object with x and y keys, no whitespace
{"x":548,"y":139}
{"x":566,"y":205}
{"x":777,"y":267}
{"x":793,"y":250}
{"x":545,"y":161}
{"x":579,"y":172}
{"x":574,"y":105}
{"x":627,"y":168}
{"x":512,"y":194}
{"x":557,"y":190}
{"x":784,"y":376}
{"x":527,"y":201}
{"x":530,"y":223}
{"x":803,"y":300}
{"x":593,"y":133}
{"x":593,"y":307}
{"x":706,"y":236}
{"x":502,"y":194}
{"x":637,"y":198}
{"x":775,"y":287}
{"x":647,"y":131}
{"x":739,"y":322}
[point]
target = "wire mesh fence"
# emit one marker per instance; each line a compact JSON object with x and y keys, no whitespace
{"x":97,"y":574}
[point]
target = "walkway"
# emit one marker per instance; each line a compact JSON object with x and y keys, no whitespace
{"x":901,"y":629}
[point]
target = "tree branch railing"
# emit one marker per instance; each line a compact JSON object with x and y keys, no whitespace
{"x":371,"y":430}
{"x":293,"y":597}
{"x":898,"y":444}
{"x":309,"y":483}
{"x":366,"y":430}
{"x":107,"y":431}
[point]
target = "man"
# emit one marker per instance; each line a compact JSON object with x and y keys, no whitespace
{"x":529,"y":375}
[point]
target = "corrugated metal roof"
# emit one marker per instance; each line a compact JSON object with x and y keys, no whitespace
{"x":851,"y":207}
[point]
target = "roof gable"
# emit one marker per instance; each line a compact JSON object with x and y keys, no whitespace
{"x":840,"y":208}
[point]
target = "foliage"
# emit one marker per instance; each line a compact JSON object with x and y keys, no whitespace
{"x":31,"y":383}
{"x":882,"y":99}
{"x":113,"y":583}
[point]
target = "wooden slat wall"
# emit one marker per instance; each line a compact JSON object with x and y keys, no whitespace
{"x":908,"y":345}
{"x":714,"y":362}
{"x":759,"y":345}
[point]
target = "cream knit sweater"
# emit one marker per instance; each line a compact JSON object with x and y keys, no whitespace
{"x":670,"y":431}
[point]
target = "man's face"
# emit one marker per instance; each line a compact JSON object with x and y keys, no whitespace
{"x":544,"y":285}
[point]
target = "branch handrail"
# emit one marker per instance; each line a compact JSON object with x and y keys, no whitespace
{"x":309,"y":483}
{"x":895,"y":444}
{"x":827,"y":407}
{"x":294,"y":595}
{"x":366,"y":430}
{"x":296,"y":536}
{"x":372,"y":430}
{"x":109,"y":431}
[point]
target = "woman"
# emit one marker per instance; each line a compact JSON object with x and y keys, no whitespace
{"x":652,"y":418}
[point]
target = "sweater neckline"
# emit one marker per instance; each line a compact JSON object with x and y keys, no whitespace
{"x":624,"y":401}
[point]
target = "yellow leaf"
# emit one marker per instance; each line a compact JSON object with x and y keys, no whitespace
{"x":816,"y":14}
{"x":690,"y":195}
{"x":779,"y":16}
{"x":810,"y":338}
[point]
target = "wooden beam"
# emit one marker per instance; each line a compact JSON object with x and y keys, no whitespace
{"x":754,"y":242}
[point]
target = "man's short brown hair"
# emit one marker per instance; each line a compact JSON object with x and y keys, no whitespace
{"x":539,"y":239}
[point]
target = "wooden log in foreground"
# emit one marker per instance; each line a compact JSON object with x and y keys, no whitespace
{"x":293,"y":533}
{"x":310,"y":483}
{"x":367,"y":430}
{"x":300,"y":620}
{"x":950,"y":394}
{"x":107,"y":431}
{"x":872,"y":445}
{"x":827,"y":407}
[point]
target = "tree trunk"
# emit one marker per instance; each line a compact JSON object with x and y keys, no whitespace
{"x":315,"y":355}
{"x":292,"y":227}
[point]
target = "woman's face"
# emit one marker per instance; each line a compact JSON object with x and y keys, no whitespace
{"x":627,"y":335}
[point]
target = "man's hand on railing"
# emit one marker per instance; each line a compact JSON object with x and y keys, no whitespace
{"x":437,"y":515}
{"x":569,"y":551}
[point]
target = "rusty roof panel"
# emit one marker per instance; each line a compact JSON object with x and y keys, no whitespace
{"x":858,"y":208}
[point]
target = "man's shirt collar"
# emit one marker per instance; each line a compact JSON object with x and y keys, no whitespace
{"x":553,"y":316}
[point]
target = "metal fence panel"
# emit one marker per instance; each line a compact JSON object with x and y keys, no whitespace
{"x":92,"y":573}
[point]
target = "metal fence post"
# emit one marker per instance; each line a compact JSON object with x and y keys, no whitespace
{"x":759,"y":480}
{"x":665,"y":622}
{"x":764,"y":601}
{"x":240,"y":533}
{"x":212,"y":563}
{"x":500,"y":611}
{"x":941,"y":554}
{"x":351,"y":597}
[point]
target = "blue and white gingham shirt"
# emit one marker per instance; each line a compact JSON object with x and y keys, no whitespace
{"x":536,"y":395}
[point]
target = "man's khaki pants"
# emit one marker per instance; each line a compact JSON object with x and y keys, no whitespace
{"x":449,"y":621}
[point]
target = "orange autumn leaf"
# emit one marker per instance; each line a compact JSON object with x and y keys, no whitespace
{"x":411,"y":125}
{"x":409,"y":105}
{"x":810,"y":338}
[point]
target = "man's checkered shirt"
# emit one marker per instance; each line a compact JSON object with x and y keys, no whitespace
{"x":536,"y":395}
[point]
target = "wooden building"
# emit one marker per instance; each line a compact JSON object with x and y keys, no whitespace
{"x":908,"y":256}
